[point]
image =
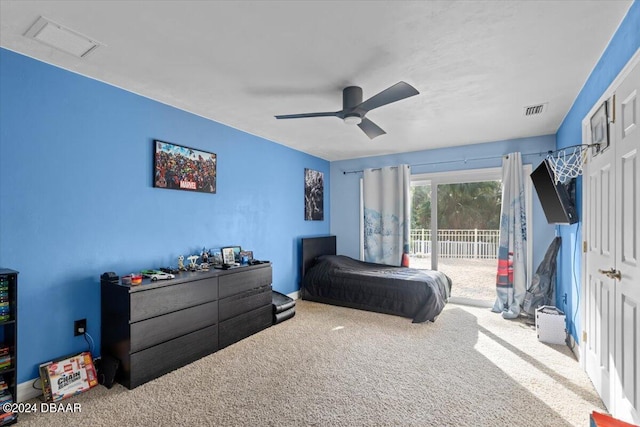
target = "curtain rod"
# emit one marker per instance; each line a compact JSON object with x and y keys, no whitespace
{"x":540,"y":153}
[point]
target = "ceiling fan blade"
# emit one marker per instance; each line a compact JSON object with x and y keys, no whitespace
{"x":398,"y":91}
{"x":300,"y":116}
{"x":371,"y":129}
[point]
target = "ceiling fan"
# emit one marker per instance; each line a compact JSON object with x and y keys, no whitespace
{"x":354,"y":110}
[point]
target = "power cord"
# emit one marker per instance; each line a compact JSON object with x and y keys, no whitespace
{"x":33,"y":384}
{"x":89,"y":341}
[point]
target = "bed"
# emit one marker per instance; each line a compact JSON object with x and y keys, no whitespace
{"x":339,"y":280}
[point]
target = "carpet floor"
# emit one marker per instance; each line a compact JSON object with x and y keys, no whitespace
{"x":334,"y":366}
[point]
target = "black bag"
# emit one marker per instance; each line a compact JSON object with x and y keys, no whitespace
{"x":542,"y":289}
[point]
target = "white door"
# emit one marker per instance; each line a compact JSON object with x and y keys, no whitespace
{"x":612,"y":304}
{"x":600,"y":235}
{"x":626,"y":378}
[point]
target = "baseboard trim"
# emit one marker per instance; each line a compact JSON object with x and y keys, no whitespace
{"x":574,"y":347}
{"x":470,"y":301}
{"x":25,"y":391}
{"x":294,"y":295}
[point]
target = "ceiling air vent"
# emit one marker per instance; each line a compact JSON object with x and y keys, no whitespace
{"x":55,"y":35}
{"x":535,"y":110}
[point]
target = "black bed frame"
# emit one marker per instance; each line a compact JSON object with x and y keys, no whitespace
{"x":313,"y":247}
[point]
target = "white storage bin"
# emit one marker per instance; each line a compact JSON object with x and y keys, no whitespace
{"x":550,"y":325}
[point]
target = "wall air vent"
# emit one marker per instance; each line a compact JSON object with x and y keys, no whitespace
{"x":62,"y":38}
{"x":535,"y":110}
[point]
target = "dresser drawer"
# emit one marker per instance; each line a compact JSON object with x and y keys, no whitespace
{"x":239,"y":327}
{"x":245,"y":301}
{"x":157,"y":301}
{"x":243,"y":280}
{"x":171,"y":355}
{"x":156,"y":330}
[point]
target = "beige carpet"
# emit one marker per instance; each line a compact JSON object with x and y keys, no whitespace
{"x":333,"y":366}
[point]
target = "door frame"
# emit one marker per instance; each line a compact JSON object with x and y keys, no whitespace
{"x":586,"y":139}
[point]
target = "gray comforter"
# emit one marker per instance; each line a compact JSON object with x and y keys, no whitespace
{"x":340,"y":280}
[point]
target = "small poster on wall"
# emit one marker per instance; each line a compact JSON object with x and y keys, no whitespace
{"x":313,"y":195}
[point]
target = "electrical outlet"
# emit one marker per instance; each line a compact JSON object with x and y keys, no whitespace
{"x":79,"y":327}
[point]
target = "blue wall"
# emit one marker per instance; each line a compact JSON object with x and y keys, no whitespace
{"x":76,"y":195}
{"x":624,"y":43}
{"x":76,"y":198}
{"x":345,"y":189}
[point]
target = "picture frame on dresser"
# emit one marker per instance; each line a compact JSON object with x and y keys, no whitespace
{"x":228,"y":256}
{"x":236,"y":252}
{"x":246,"y":256}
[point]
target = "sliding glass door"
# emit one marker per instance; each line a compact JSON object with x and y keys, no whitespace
{"x":455,"y":228}
{"x":468,"y":235}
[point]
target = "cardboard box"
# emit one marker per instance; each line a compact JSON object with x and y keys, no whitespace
{"x":67,"y":376}
{"x":550,"y":325}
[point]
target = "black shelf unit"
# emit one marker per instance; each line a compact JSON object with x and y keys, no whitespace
{"x":8,"y":340}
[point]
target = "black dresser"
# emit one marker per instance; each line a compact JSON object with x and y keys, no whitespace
{"x":157,"y":327}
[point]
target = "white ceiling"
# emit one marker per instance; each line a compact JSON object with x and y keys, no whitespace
{"x":475,"y":63}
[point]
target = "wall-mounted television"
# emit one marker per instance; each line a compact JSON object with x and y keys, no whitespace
{"x":557,"y":204}
{"x":182,"y":168}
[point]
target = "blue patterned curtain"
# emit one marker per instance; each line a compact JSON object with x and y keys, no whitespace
{"x":387,"y":215}
{"x":511,"y":277}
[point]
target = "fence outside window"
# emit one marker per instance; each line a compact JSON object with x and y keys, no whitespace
{"x":456,"y":243}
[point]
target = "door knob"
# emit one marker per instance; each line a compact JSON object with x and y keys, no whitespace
{"x":606,"y":272}
{"x":612,"y":273}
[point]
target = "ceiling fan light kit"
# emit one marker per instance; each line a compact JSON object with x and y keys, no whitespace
{"x":353,"y":119}
{"x":354,"y":110}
